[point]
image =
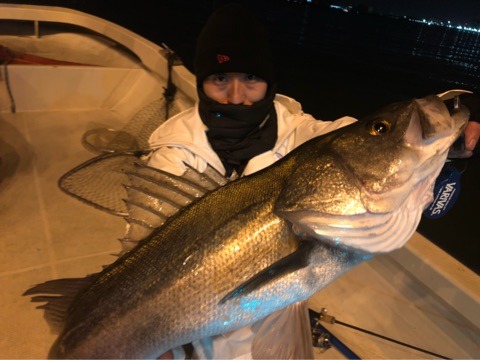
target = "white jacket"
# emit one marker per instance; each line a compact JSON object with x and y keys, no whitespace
{"x":183,"y":139}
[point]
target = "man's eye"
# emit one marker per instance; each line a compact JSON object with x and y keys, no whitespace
{"x":251,"y":77}
{"x":220,"y":78}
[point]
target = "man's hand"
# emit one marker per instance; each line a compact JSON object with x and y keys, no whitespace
{"x":471,"y":136}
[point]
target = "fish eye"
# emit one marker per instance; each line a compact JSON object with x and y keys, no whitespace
{"x":380,"y":127}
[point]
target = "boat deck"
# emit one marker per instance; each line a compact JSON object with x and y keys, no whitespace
{"x":381,"y":296}
{"x":47,"y":234}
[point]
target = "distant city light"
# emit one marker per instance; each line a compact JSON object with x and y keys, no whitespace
{"x":342,"y":8}
{"x":429,"y":22}
{"x":447,"y":25}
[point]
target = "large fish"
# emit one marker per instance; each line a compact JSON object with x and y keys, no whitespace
{"x":262,"y":242}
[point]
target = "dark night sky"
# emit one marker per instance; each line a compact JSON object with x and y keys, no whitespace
{"x":455,"y":10}
{"x":458,"y":11}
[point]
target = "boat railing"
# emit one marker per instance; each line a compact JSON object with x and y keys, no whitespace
{"x":146,"y":50}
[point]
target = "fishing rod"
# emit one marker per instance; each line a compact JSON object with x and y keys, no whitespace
{"x":322,"y":316}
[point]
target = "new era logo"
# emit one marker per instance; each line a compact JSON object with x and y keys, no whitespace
{"x":222,"y":58}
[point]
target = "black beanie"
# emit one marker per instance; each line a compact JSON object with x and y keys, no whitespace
{"x":233,"y":40}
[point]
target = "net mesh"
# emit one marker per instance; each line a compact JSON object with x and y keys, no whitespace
{"x":134,"y":135}
{"x":100,"y":181}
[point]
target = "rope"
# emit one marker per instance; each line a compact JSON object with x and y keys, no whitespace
{"x":171,"y":89}
{"x":6,"y":51}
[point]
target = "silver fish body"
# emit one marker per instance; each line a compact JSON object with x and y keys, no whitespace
{"x":264,"y":241}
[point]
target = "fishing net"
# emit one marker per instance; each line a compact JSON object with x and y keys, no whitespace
{"x":100,"y":181}
{"x":133,"y":136}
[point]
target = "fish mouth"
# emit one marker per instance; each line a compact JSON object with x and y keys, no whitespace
{"x":439,"y":127}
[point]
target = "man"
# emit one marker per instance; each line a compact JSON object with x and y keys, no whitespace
{"x":240,"y":124}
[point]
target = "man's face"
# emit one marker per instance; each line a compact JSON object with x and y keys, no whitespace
{"x":235,"y":88}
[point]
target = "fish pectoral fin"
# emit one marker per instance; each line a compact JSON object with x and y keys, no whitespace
{"x":290,"y":263}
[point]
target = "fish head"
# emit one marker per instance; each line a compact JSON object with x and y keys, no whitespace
{"x":393,"y":150}
{"x":367,"y":184}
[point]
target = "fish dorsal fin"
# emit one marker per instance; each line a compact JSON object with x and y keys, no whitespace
{"x":58,"y":296}
{"x":122,"y":184}
{"x":210,"y":179}
{"x":154,"y":195}
{"x":100,"y":182}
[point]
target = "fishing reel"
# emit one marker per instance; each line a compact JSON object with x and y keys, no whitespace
{"x":321,"y":338}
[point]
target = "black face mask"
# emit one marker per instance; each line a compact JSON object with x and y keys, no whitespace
{"x":237,"y":133}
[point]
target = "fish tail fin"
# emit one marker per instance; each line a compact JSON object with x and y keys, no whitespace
{"x":285,"y":334}
{"x":57,"y":295}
